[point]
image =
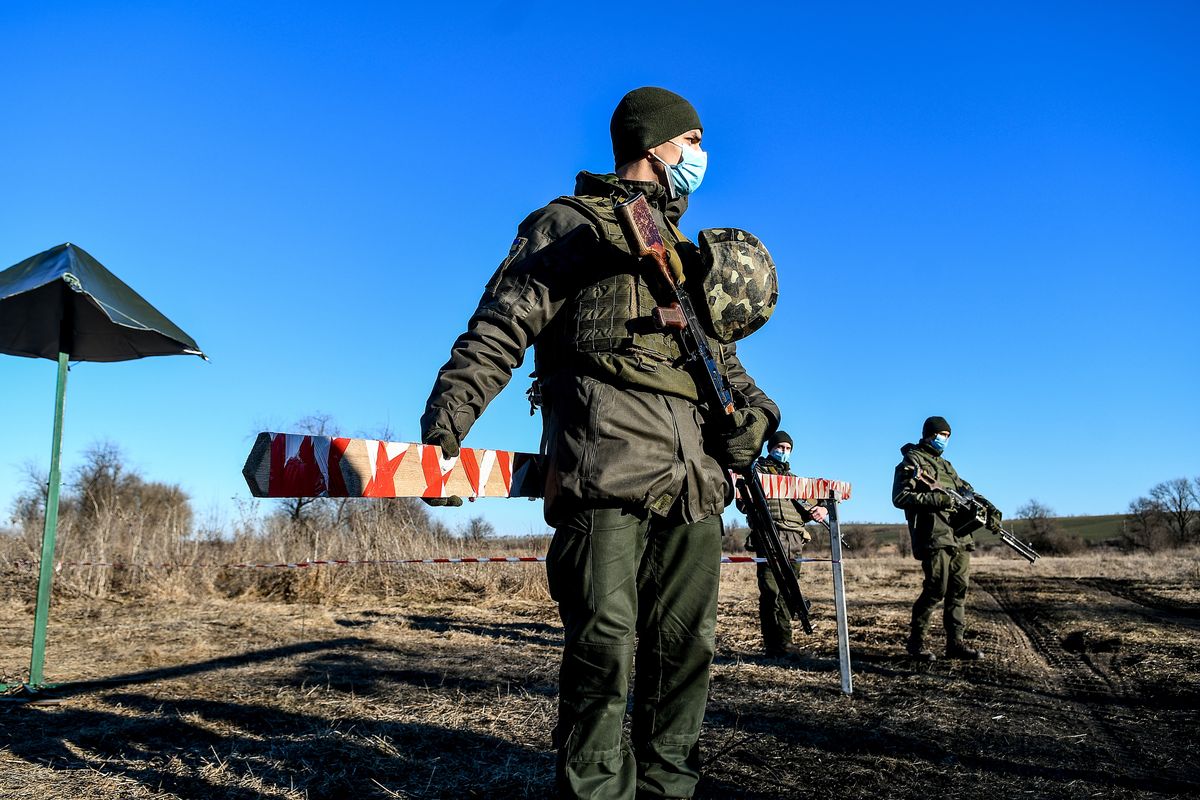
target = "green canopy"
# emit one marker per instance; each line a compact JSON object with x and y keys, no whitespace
{"x":65,"y":301}
{"x":64,"y":305}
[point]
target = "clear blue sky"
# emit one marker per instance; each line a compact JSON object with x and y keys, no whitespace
{"x":990,"y":214}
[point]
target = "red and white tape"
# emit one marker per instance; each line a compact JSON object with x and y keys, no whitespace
{"x":341,"y":562}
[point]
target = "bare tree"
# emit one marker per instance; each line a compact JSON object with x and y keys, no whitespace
{"x":1039,"y":519}
{"x":1147,"y":526}
{"x":29,"y":506}
{"x":1042,"y":530}
{"x":1177,"y":500}
{"x":862,"y":539}
{"x":107,"y":510}
{"x":478,"y":530}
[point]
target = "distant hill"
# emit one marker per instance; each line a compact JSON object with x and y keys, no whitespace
{"x":1090,"y":529}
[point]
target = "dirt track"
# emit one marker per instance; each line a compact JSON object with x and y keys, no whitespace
{"x":1087,"y":691}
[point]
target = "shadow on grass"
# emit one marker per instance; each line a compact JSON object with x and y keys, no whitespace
{"x":871,"y":744}
{"x":536,"y":633}
{"x":539,"y":633}
{"x":220,"y":746}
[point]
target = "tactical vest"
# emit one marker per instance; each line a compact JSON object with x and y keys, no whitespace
{"x":613,"y":314}
{"x":609,"y":321}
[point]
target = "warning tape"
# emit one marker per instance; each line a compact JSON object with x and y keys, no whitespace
{"x":342,"y":562}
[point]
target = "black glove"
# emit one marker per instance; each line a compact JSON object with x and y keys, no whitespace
{"x":448,"y":443}
{"x":943,"y":501}
{"x":744,"y":441}
{"x":751,"y":542}
{"x":994,"y":516}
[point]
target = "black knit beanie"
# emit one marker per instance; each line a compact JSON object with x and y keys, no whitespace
{"x":647,"y":117}
{"x":779,"y":437}
{"x":934,"y":425}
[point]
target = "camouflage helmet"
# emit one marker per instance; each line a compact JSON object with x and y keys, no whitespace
{"x":740,"y":284}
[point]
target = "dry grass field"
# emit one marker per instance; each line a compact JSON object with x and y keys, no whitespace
{"x":1087,"y":690}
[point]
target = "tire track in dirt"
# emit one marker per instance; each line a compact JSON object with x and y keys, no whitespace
{"x":1168,"y":610}
{"x":1100,"y":696}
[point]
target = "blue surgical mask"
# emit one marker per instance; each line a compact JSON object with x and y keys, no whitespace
{"x":689,"y":172}
{"x":779,"y":455}
{"x":939,"y":442}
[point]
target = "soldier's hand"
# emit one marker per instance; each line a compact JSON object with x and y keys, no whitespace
{"x":744,"y":441}
{"x":444,"y":439}
{"x":819,"y":513}
{"x":944,"y":501}
{"x":994,"y":518}
{"x":448,"y":443}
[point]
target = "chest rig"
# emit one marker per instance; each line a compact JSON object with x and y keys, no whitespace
{"x":611,"y":311}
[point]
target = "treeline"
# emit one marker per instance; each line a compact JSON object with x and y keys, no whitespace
{"x":1168,"y":516}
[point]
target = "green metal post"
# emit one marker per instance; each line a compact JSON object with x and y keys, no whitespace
{"x":49,"y":533}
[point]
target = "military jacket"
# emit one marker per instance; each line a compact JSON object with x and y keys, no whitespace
{"x":927,"y":520}
{"x":622,"y":422}
{"x":789,"y":515}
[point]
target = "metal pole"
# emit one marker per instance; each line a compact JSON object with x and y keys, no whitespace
{"x":839,"y":596}
{"x":49,"y":532}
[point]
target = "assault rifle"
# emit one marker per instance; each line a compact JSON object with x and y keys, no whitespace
{"x":973,"y":514}
{"x":645,"y":241}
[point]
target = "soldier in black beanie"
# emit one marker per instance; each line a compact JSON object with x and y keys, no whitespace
{"x":656,"y":137}
{"x":933,"y":426}
{"x":944,"y":552}
{"x":635,"y":484}
{"x":775,"y":620}
{"x":647,"y":117}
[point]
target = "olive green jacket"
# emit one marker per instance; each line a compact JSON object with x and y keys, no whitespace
{"x":926,"y":510}
{"x":620,"y":427}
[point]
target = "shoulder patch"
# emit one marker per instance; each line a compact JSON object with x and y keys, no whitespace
{"x":517,"y":245}
{"x":514,"y":250}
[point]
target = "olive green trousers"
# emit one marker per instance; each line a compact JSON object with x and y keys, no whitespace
{"x":637,"y":594}
{"x":947,"y":574}
{"x":774,"y":617}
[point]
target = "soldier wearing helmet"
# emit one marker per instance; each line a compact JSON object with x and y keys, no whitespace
{"x":635,"y":484}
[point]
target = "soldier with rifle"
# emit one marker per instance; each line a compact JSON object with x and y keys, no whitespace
{"x":643,"y":412}
{"x":943,"y":512}
{"x":775,"y":618}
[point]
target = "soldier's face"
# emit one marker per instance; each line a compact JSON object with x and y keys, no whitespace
{"x":671,"y":151}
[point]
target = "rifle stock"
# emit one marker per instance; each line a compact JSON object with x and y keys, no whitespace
{"x":645,"y":241}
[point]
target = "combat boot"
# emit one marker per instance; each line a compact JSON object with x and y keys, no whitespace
{"x":957,"y":648}
{"x":787,"y":651}
{"x":915,"y":645}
